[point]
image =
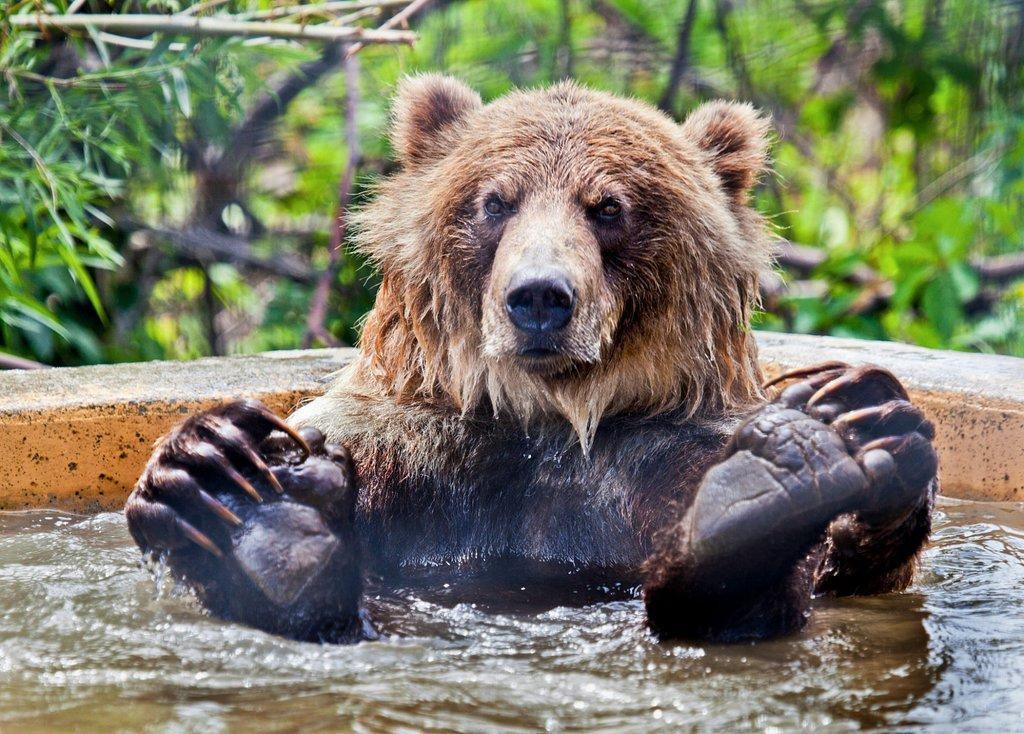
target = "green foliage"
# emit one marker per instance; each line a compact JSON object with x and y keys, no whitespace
{"x":90,"y":133}
{"x":901,"y":149}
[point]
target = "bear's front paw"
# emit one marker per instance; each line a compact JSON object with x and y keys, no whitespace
{"x":840,"y":442}
{"x":887,"y":434}
{"x":258,"y":518}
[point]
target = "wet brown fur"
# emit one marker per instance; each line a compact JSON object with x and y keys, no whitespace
{"x":681,"y":283}
{"x":465,"y":454}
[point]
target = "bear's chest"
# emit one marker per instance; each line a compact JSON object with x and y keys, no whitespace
{"x":537,"y":500}
{"x":527,"y":503}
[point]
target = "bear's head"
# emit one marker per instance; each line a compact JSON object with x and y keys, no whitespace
{"x":564,"y":254}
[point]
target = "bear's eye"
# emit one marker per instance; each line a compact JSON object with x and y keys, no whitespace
{"x":495,"y":206}
{"x":607,"y":210}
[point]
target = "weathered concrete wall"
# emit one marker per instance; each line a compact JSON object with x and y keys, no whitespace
{"x":78,"y":438}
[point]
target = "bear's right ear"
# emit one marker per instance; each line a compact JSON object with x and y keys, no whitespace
{"x":426,"y":109}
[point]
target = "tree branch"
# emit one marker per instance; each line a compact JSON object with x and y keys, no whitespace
{"x":399,"y":18}
{"x":200,"y":27}
{"x":1000,"y":268}
{"x":316,"y":321}
{"x":271,"y":105}
{"x":206,"y":246}
{"x":325,"y":9}
{"x":565,"y":50}
{"x":213,"y":336}
{"x":876,"y":289}
{"x":680,"y":62}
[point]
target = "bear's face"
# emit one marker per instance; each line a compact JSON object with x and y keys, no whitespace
{"x":566,"y":252}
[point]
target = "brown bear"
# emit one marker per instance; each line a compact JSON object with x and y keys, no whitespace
{"x":557,"y":381}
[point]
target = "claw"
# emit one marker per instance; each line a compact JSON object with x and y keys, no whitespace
{"x":261,"y":466}
{"x":830,"y":388}
{"x":886,"y":443}
{"x":214,"y":459}
{"x":197,"y":537}
{"x":845,"y":380}
{"x":265,"y":471}
{"x":895,"y":416}
{"x":806,"y":372}
{"x":219,"y":509}
{"x":220,"y":427}
{"x":235,"y":476}
{"x":176,"y":480}
{"x":282,"y":426}
{"x":857,"y":418}
{"x":245,"y":411}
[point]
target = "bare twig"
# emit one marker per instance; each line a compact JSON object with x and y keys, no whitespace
{"x":1000,"y":268}
{"x":399,"y":18}
{"x":804,"y":260}
{"x":146,"y":24}
{"x":139,"y":43}
{"x":316,"y":322}
{"x":325,"y":9}
{"x":358,"y":15}
{"x":203,"y":7}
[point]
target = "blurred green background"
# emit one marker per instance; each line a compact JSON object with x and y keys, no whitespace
{"x":173,"y":196}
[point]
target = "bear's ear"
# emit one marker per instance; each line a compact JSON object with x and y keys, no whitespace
{"x":735,"y":136}
{"x":426,"y":109}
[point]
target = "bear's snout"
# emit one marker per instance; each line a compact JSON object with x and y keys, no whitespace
{"x":540,"y":301}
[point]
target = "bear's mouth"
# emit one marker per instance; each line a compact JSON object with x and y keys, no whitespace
{"x":543,"y":359}
{"x":538,"y":352}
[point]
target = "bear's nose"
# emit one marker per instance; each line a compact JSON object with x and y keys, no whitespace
{"x":540,"y":303}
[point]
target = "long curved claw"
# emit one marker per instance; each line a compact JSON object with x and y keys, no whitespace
{"x":175,"y":485}
{"x":281,"y":425}
{"x":219,"y":509}
{"x":801,"y":372}
{"x":264,"y":470}
{"x":198,"y":537}
{"x":837,"y":387}
{"x":210,"y":458}
{"x":258,"y":420}
{"x":236,"y":440}
{"x":893,"y":417}
{"x":862,"y":418}
{"x":156,"y":527}
{"x":235,"y":476}
{"x":890,"y":444}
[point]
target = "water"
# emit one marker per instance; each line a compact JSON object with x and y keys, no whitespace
{"x":87,"y":643}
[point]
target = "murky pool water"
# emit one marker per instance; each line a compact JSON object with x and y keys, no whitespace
{"x":86,"y":643}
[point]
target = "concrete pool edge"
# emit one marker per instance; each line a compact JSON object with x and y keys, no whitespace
{"x":77,"y":438}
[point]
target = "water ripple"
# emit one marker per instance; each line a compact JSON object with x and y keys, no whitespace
{"x":86,"y":640}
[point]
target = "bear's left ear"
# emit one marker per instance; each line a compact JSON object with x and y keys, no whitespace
{"x":426,"y":109}
{"x":735,"y":136}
